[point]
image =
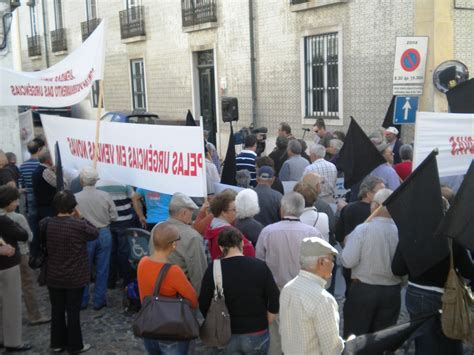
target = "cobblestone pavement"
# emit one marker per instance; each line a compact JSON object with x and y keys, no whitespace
{"x":109,"y":330}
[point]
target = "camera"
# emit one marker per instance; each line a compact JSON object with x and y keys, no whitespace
{"x":260,"y":133}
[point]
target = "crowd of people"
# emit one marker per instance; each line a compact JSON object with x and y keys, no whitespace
{"x":279,"y":248}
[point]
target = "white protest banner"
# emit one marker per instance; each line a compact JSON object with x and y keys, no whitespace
{"x":165,"y":159}
{"x":64,"y":84}
{"x":452,"y":134}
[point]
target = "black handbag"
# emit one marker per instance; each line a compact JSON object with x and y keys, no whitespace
{"x":165,"y":318}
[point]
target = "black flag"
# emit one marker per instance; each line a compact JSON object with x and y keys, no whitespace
{"x":389,"y":339}
{"x":190,"y":119}
{"x":416,"y":207}
{"x":388,"y":120}
{"x":59,"y":168}
{"x":458,"y":223}
{"x":358,"y":156}
{"x":228,"y":171}
{"x":461,"y":97}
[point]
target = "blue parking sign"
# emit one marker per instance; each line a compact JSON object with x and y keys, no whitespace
{"x":405,"y":109}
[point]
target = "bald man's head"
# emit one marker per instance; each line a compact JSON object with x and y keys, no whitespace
{"x":164,"y":234}
{"x":313,"y":179}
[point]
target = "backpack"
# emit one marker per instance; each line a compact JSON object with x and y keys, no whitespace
{"x":456,"y":321}
{"x":215,"y":331}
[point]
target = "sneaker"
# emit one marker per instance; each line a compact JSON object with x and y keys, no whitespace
{"x":18,"y":349}
{"x":57,"y":350}
{"x":41,"y":320}
{"x":85,"y":347}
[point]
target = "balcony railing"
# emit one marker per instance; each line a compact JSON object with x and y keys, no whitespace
{"x":197,"y":12}
{"x":132,"y":22}
{"x":58,"y":40}
{"x":87,"y":27}
{"x":296,"y":2}
{"x":34,"y":46}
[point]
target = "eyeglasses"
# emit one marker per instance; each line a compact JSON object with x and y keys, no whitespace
{"x":231,"y":210}
{"x":179,"y":238}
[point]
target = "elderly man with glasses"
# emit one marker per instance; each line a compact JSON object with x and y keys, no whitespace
{"x":98,"y":208}
{"x":189,"y":253}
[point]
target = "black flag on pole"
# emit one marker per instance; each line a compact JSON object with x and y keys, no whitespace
{"x":388,"y":120}
{"x":59,"y":168}
{"x":228,"y":170}
{"x":461,"y":97}
{"x":416,"y":208}
{"x":358,"y":156}
{"x":458,"y":223}
{"x":389,"y":339}
{"x":190,"y":119}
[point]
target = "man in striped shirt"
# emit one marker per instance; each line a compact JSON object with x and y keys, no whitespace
{"x":26,"y":171}
{"x":121,"y":196}
{"x":246,"y":159}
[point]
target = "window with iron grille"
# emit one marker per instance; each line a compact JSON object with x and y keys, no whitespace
{"x":321,"y":56}
{"x":138,"y":84}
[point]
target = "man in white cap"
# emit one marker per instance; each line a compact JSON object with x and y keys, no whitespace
{"x":98,"y":208}
{"x":391,"y":135}
{"x":189,"y":253}
{"x":309,"y":317}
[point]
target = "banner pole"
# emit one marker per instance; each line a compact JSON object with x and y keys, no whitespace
{"x":201,"y":126}
{"x":97,"y":122}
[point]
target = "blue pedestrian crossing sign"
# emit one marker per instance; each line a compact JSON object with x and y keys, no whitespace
{"x":405,"y":109}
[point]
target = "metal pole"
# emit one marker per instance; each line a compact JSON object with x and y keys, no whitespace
{"x":45,"y":36}
{"x":252,"y":64}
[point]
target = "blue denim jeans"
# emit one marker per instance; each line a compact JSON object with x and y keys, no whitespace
{"x":248,"y":344}
{"x":99,"y":253}
{"x":432,"y":340}
{"x":120,"y":253}
{"x":162,"y":347}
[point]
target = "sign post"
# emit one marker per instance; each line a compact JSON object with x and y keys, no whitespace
{"x":409,"y":67}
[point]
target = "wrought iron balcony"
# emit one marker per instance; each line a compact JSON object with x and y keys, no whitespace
{"x":58,"y":40}
{"x":34,"y":46}
{"x":87,"y":27}
{"x":132,"y":22}
{"x":197,"y":12}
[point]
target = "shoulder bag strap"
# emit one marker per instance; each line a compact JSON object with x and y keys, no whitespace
{"x":217,"y":271}
{"x":159,"y":279}
{"x":317,"y":218}
{"x":451,"y":257}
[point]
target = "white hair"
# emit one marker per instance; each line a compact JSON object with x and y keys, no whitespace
{"x":381,"y":195}
{"x":336,"y":144}
{"x":88,"y":176}
{"x":246,"y":204}
{"x":292,"y":204}
{"x":317,"y":150}
{"x":309,"y":262}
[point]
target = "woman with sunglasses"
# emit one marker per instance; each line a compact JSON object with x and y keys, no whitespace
{"x":165,"y":236}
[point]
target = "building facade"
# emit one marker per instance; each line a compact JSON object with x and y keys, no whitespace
{"x":285,"y":60}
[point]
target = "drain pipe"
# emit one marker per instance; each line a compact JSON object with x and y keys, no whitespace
{"x":253,"y":74}
{"x":46,"y":53}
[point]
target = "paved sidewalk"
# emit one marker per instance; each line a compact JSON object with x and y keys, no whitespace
{"x":109,"y":330}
